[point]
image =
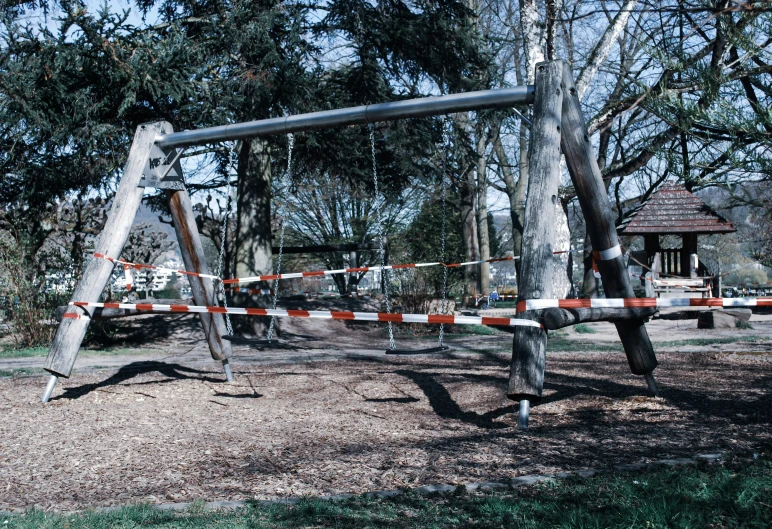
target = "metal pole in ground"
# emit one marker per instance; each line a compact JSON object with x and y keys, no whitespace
{"x":652,"y":383}
{"x":227,"y":368}
{"x":524,"y":414}
{"x":49,"y":388}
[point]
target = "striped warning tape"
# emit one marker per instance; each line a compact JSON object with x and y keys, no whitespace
{"x":317,"y":273}
{"x":128,"y":265}
{"x":321,"y":273}
{"x":620,"y":303}
{"x":321,"y":314}
{"x":501,"y":296}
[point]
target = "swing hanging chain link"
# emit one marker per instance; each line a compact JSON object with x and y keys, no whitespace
{"x":272,"y":326}
{"x":444,"y":305}
{"x":379,"y":223}
{"x":220,"y":285}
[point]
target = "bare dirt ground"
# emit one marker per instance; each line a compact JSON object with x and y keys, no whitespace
{"x":334,"y":414}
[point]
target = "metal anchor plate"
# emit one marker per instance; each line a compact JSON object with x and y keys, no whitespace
{"x":163,"y":169}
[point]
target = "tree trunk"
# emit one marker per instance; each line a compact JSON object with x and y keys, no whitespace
{"x":532,"y":37}
{"x":515,"y":192}
{"x":482,"y":210}
{"x":469,"y":231}
{"x":603,"y":47}
{"x":253,"y":254}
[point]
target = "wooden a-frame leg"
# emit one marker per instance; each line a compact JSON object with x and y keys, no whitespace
{"x":72,"y":329}
{"x":529,"y":344}
{"x":202,"y":288}
{"x":591,"y":192}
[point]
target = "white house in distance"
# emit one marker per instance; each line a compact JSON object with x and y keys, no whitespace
{"x":158,"y":280}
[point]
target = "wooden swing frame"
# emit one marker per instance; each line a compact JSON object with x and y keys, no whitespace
{"x":558,"y":126}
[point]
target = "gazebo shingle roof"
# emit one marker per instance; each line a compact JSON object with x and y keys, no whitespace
{"x":674,"y":210}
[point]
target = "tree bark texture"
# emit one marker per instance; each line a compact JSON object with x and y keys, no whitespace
{"x":529,"y":344}
{"x":593,"y":199}
{"x":482,"y":210}
{"x":253,"y":255}
{"x":556,"y":318}
{"x":603,"y":47}
{"x":193,"y":256}
{"x":532,"y":37}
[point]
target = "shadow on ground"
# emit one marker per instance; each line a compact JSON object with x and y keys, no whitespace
{"x":135,"y":369}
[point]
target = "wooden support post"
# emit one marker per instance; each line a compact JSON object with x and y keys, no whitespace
{"x":591,"y":192}
{"x":71,"y":331}
{"x":529,"y":344}
{"x":202,"y":288}
{"x":651,"y":246}
{"x":554,"y":319}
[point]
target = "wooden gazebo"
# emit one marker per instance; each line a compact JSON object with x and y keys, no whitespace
{"x":673,"y":210}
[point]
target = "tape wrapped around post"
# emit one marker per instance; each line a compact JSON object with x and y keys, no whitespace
{"x":608,"y":255}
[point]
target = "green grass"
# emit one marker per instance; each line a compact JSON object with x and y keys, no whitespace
{"x":743,"y":325}
{"x":118,"y":351}
{"x":698,"y":342}
{"x":431,"y":332}
{"x":583,"y":328}
{"x":561,"y":345}
{"x":21,"y":371}
{"x":10,"y":352}
{"x":736,"y":494}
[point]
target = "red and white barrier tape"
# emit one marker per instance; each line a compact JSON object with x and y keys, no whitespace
{"x":621,"y":303}
{"x":501,"y":296}
{"x":321,"y":314}
{"x":128,"y":265}
{"x":129,"y":275}
{"x":321,"y":273}
{"x":317,"y":273}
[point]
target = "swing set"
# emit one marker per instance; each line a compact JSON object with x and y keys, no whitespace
{"x":558,"y":127}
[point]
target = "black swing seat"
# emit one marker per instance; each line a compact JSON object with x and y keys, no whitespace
{"x":428,"y":350}
{"x":253,"y":342}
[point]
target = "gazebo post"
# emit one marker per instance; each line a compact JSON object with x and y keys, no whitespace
{"x":651,"y":246}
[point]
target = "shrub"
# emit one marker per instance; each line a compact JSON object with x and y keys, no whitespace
{"x":24,"y":301}
{"x":582,"y":328}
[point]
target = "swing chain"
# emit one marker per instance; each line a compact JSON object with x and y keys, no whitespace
{"x":276,"y":281}
{"x":385,"y":273}
{"x":444,"y":306}
{"x":220,"y":285}
{"x":290,"y":148}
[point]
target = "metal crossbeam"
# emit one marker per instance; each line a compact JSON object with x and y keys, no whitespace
{"x":342,"y":117}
